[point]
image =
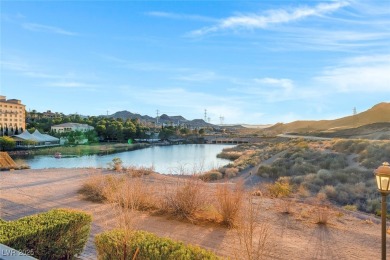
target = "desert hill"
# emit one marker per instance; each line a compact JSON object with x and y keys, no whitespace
{"x":379,"y":113}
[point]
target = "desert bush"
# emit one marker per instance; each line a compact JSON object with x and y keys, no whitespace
{"x":142,"y":245}
{"x":138,"y":171}
{"x":231,"y":172}
{"x":279,"y":189}
{"x":350,"y":207}
{"x":99,"y":188}
{"x":323,"y":214}
{"x":185,"y":198}
{"x":133,"y":194}
{"x":253,"y":237}
{"x":229,"y":155}
{"x":329,"y":191}
{"x":56,"y":234}
{"x":229,"y":202}
{"x":116,"y":164}
{"x":212,"y":175}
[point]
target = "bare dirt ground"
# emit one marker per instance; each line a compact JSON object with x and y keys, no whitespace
{"x":293,"y":236}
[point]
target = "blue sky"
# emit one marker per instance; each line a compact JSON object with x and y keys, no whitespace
{"x":255,"y":62}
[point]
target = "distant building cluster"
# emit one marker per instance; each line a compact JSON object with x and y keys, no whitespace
{"x":12,"y":116}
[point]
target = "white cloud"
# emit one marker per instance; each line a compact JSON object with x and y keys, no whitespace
{"x":47,"y":29}
{"x":359,"y":74}
{"x":286,"y":84}
{"x":271,"y":17}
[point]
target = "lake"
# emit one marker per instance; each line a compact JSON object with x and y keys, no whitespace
{"x":175,"y":159}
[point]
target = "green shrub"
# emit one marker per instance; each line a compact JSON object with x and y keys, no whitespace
{"x":56,"y":234}
{"x":119,"y":244}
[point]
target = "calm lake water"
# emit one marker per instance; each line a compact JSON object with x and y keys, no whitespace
{"x":176,"y":159}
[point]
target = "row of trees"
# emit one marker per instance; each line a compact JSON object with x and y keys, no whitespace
{"x":105,"y":128}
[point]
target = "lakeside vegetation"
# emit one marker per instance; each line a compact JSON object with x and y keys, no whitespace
{"x":79,"y":150}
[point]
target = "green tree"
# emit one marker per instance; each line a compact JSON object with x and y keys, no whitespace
{"x":7,"y":143}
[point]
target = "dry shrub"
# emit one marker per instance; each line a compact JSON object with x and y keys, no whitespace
{"x":322,"y":209}
{"x":130,"y":193}
{"x":139,"y":171}
{"x":212,"y":175}
{"x":323,"y":214}
{"x":253,"y":237}
{"x":231,"y":172}
{"x":99,"y":188}
{"x":302,"y":191}
{"x":134,"y":194}
{"x":280,"y":189}
{"x":184,"y":198}
{"x":257,"y":193}
{"x":229,"y":202}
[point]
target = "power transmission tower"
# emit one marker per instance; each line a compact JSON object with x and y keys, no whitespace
{"x":157,"y":117}
{"x":208,"y":120}
{"x":221,"y":119}
{"x":205,"y":115}
{"x":354,"y":111}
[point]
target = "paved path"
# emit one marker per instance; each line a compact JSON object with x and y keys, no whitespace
{"x":304,"y":137}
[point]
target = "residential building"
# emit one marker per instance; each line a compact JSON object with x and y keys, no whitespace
{"x":49,"y":114}
{"x":12,"y":116}
{"x":69,"y":127}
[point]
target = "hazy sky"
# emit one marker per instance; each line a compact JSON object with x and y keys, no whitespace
{"x":248,"y":61}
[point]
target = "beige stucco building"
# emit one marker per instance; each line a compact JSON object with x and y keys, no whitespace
{"x":69,"y":127}
{"x":12,"y":116}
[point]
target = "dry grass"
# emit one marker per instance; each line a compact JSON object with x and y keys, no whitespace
{"x":229,"y":202}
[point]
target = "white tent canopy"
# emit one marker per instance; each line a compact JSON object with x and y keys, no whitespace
{"x":37,"y":137}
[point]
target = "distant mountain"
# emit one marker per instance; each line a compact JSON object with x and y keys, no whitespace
{"x":164,"y":118}
{"x":377,"y":114}
{"x":128,"y":115}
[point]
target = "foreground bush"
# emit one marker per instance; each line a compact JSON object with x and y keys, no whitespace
{"x":120,"y":244}
{"x":229,"y":202}
{"x":56,"y":234}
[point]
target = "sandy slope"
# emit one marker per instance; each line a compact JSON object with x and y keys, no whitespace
{"x":293,"y":236}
